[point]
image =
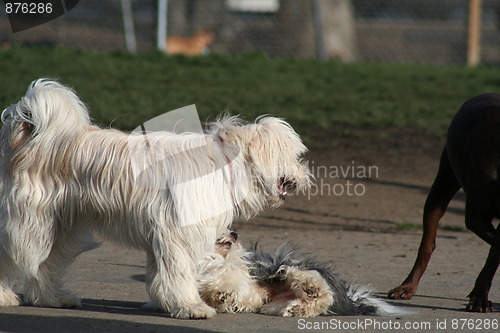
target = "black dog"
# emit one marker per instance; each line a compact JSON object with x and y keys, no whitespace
{"x":470,"y":160}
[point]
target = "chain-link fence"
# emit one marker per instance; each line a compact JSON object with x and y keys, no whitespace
{"x":401,"y":31}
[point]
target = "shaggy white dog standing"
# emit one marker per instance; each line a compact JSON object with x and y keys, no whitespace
{"x":63,"y":180}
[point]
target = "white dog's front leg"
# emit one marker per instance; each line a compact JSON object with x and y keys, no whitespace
{"x":171,"y":284}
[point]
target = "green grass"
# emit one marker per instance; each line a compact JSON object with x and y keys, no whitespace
{"x":126,"y":90}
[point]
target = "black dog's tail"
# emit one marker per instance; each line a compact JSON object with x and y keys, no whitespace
{"x":348,"y":299}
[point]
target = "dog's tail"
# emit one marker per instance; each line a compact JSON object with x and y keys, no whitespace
{"x":50,"y":109}
{"x":365,"y":302}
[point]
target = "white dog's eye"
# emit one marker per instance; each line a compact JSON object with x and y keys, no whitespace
{"x":289,"y":186}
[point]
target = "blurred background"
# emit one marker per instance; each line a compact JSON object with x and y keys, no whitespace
{"x":389,"y":31}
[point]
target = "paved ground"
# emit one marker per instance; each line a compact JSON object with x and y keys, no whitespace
{"x":369,"y":238}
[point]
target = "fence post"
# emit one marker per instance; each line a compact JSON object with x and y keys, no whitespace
{"x":161,"y":33}
{"x":128,"y":26}
{"x":318,"y":30}
{"x":474,"y":33}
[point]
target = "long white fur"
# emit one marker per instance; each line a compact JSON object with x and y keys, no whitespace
{"x":226,"y":284}
{"x":311,"y":295}
{"x":286,"y":284}
{"x":364,"y":295}
{"x":63,"y":179}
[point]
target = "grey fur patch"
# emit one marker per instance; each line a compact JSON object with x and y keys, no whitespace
{"x":268,"y":267}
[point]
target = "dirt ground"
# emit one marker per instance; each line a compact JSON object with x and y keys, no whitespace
{"x":362,"y":222}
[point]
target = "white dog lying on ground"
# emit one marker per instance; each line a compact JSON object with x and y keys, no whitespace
{"x":285,"y":284}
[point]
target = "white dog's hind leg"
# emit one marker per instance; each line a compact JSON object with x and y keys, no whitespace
{"x":28,"y":241}
{"x":7,"y":271}
{"x":171,"y":284}
{"x":46,"y":288}
{"x":308,"y":295}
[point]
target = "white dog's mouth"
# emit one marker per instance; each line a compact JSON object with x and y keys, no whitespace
{"x":285,"y":186}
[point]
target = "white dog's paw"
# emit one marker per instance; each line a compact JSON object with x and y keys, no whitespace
{"x":294,"y":309}
{"x":63,"y":300}
{"x":151,"y":305}
{"x":197,"y":311}
{"x":68,"y":300}
{"x":9,"y":298}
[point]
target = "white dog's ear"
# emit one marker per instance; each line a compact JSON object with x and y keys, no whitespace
{"x":255,"y":137}
{"x":258,"y":141}
{"x":228,"y":129}
{"x":263,"y":131}
{"x":276,"y":135}
{"x":224,"y":134}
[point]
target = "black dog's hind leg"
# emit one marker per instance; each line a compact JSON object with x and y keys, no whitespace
{"x":442,"y":191}
{"x":478,"y":297}
{"x":478,"y":216}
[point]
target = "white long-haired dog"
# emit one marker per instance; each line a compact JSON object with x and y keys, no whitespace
{"x":285,"y":283}
{"x":63,"y":180}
